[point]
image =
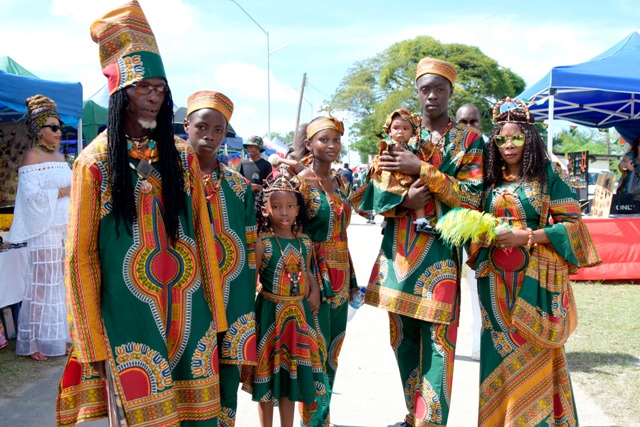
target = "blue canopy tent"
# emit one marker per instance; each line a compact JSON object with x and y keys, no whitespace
{"x":14,"y":90}
{"x":602,"y":92}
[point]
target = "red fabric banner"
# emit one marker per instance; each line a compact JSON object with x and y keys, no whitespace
{"x":617,"y":240}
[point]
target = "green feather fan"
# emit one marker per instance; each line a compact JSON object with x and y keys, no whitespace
{"x":462,"y":225}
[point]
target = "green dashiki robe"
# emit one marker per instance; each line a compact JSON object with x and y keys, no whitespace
{"x":150,"y":309}
{"x":387,"y":189}
{"x":232,"y":210}
{"x":330,"y":215}
{"x":289,"y":362}
{"x":416,"y":276}
{"x":528,"y":308}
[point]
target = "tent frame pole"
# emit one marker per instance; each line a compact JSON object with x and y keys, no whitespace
{"x":552,"y":96}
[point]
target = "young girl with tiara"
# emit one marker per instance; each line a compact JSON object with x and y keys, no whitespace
{"x":289,"y":367}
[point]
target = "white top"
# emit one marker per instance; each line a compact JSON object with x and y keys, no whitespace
{"x":37,"y":204}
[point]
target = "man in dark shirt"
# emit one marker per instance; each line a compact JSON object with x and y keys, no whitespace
{"x":346,"y":171}
{"x":255,"y":168}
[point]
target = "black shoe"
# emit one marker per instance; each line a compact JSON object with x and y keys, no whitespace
{"x":426,"y":228}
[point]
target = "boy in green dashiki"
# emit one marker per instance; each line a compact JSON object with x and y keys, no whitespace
{"x":232,"y":219}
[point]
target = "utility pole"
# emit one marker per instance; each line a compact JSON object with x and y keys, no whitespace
{"x":304,"y":83}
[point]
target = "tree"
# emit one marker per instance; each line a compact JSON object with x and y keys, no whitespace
{"x":287,"y":138}
{"x":376,"y":86}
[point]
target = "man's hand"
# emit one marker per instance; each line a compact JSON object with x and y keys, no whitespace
{"x":417,"y":197}
{"x":400,"y":160}
{"x":256,"y":187}
{"x":314,"y":301}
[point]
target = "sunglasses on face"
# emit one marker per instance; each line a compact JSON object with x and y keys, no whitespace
{"x":54,"y":128}
{"x":145,"y":89}
{"x":517,"y":140}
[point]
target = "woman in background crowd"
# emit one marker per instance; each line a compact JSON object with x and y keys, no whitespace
{"x":40,"y":219}
{"x":630,"y":168}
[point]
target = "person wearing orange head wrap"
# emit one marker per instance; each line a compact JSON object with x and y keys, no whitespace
{"x":416,"y":277}
{"x":233,"y":221}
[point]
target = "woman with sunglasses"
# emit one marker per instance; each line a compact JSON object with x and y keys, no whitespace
{"x":40,"y":219}
{"x":527,"y":304}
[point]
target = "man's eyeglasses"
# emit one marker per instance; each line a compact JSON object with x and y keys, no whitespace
{"x":517,"y":140}
{"x":145,"y":89}
{"x":54,"y":128}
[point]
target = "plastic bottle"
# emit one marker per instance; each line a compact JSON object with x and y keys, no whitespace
{"x":356,"y":303}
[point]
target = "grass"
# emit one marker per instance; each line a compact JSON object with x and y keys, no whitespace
{"x":17,"y":372}
{"x":604,"y":351}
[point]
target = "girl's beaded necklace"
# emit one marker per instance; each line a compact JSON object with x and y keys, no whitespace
{"x":295,"y":275}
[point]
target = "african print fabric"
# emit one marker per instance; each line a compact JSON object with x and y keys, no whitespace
{"x":150,"y":308}
{"x":528,"y":308}
{"x":289,"y":362}
{"x":416,"y":277}
{"x":328,"y":230}
{"x":233,"y":213}
{"x":386,"y":189}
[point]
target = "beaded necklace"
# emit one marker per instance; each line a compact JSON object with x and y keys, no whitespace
{"x":442,"y":135}
{"x":141,"y":148}
{"x":324,"y":190}
{"x":45,"y":148}
{"x":295,"y":275}
{"x":211,"y":184}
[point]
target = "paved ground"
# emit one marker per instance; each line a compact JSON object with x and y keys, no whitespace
{"x":368,"y":392}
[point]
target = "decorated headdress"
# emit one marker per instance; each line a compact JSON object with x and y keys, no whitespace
{"x":322,"y":123}
{"x":210,"y":99}
{"x":281,"y":180}
{"x":128,"y":49}
{"x":40,"y":108}
{"x":436,"y":66}
{"x":516,"y":111}
{"x":403,"y":112}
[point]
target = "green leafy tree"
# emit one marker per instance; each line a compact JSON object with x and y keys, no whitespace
{"x":376,"y":86}
{"x":287,"y":138}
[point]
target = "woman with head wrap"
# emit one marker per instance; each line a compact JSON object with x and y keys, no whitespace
{"x":330,"y":215}
{"x":40,"y":219}
{"x":527,"y":304}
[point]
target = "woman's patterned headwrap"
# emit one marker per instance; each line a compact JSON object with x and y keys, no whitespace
{"x":40,"y":108}
{"x":128,"y":49}
{"x":322,"y":123}
{"x":403,"y":112}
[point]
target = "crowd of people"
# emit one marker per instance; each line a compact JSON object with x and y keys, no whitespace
{"x":187,"y":280}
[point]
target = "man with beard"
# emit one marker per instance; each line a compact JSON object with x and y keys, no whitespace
{"x":143,"y":286}
{"x":416,"y":277}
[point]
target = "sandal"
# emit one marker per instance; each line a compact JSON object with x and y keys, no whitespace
{"x":38,"y":356}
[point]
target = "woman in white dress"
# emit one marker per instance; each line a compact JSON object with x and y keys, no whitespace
{"x":40,"y":219}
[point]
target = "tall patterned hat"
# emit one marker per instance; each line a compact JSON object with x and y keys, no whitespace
{"x":128,"y":49}
{"x":210,"y":99}
{"x":436,"y":66}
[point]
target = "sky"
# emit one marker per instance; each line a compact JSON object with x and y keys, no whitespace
{"x":213,"y":45}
